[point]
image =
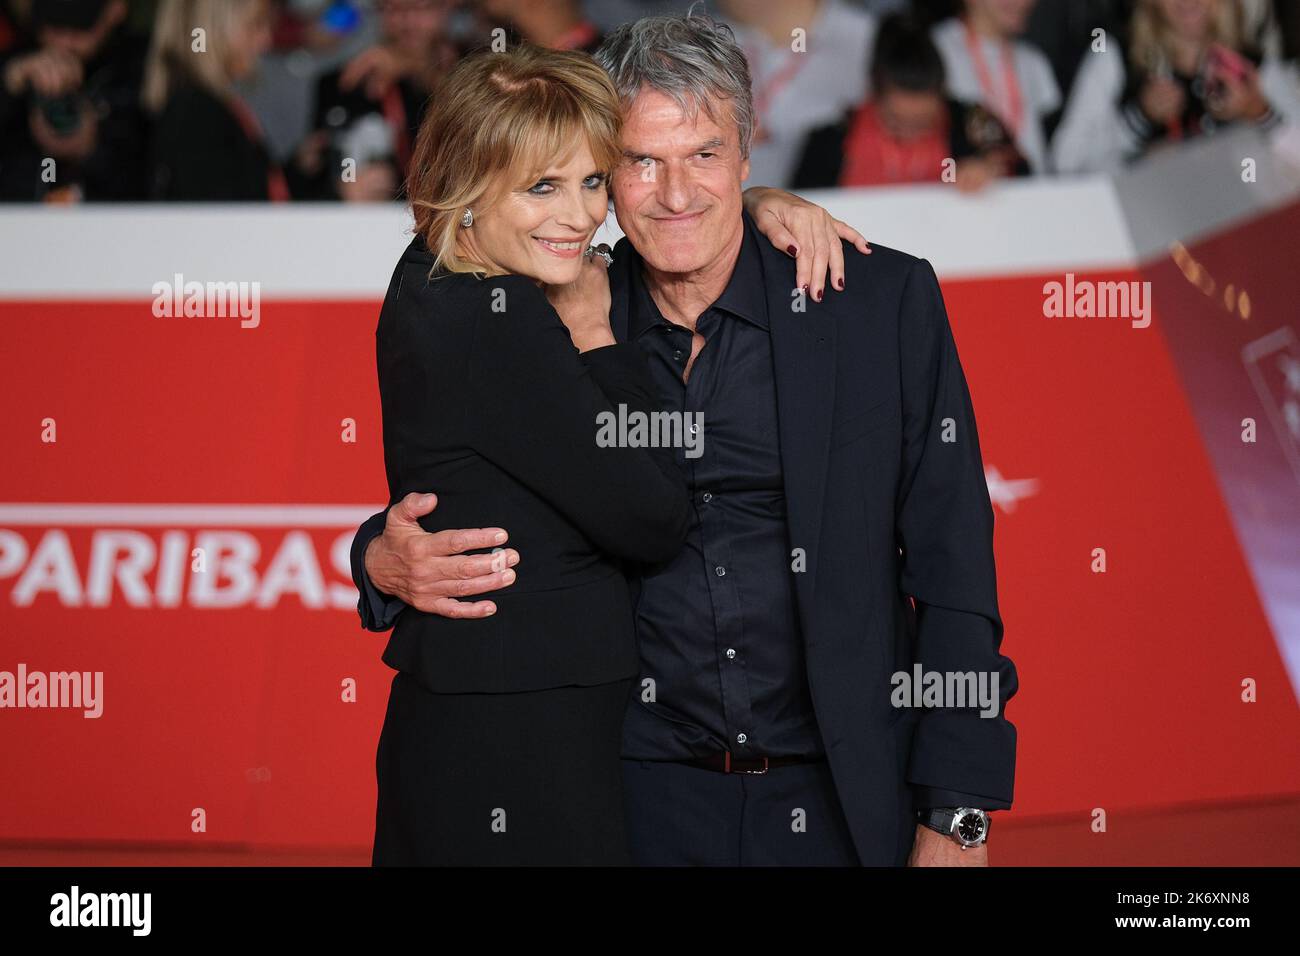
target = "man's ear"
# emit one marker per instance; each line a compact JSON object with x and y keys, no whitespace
{"x":744,"y":170}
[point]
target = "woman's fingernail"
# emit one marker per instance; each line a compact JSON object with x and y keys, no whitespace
{"x":839,"y":283}
{"x":817,"y":296}
{"x":793,"y":250}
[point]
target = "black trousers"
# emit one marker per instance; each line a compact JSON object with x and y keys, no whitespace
{"x":529,"y":778}
{"x":679,"y":815}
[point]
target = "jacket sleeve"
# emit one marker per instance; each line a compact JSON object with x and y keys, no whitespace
{"x":944,"y":526}
{"x":536,"y":410}
{"x":378,"y":610}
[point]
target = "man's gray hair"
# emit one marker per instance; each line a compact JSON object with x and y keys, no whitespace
{"x":693,"y":59}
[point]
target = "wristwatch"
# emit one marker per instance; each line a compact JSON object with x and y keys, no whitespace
{"x":967,"y":826}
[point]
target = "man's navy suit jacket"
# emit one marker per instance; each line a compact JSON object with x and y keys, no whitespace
{"x":887,"y":505}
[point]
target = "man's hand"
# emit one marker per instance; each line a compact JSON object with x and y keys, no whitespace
{"x":376,"y":68}
{"x":807,"y":232}
{"x":935,"y":849}
{"x":1162,"y":100}
{"x":46,"y":73}
{"x":1238,"y":98}
{"x":428,"y":571}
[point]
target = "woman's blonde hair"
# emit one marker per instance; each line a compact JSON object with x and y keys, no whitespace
{"x":173,"y":56}
{"x":496,"y":120}
{"x":1149,"y":42}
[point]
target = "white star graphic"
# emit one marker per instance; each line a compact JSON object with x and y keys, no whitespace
{"x":1005,"y":493}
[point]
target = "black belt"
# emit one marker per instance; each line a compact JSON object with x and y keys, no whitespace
{"x":726,"y":762}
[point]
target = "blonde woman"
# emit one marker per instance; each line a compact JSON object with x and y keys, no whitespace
{"x":497,"y":363}
{"x":207,"y":143}
{"x":1188,"y":68}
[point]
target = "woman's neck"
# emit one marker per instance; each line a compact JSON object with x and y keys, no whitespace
{"x":1185,"y":53}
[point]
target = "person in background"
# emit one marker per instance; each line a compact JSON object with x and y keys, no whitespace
{"x":802,"y":80}
{"x":1184,"y":72}
{"x":71,"y":126}
{"x":367,"y":114}
{"x":554,"y":24}
{"x":207,"y":143}
{"x":986,"y":64}
{"x":908,"y":129}
{"x":1062,"y":30}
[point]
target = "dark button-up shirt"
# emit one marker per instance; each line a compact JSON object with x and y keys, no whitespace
{"x":717,"y":627}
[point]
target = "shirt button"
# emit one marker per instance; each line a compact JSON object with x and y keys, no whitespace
{"x":706,"y":497}
{"x":741,"y":738}
{"x":720,"y":571}
{"x":731,"y":653}
{"x":677,"y":355}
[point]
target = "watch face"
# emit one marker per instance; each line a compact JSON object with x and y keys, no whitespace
{"x":970,"y":828}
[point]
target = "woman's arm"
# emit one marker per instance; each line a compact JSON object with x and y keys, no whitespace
{"x":807,"y":232}
{"x":537,"y":412}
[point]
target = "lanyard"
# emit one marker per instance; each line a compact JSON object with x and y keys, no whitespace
{"x":1013,"y":111}
{"x":767,"y":93}
{"x":277,"y":186}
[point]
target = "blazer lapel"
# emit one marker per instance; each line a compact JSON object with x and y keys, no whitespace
{"x":803,"y":356}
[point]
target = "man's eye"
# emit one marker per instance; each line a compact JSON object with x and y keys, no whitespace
{"x":645,"y":161}
{"x":706,"y":155}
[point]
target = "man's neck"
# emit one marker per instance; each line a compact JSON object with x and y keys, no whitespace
{"x":1185,"y":53}
{"x":682,"y":297}
{"x":982,"y":25}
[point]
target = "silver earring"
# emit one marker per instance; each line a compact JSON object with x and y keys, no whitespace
{"x":467,"y":220}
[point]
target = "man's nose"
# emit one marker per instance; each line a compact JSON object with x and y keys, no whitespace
{"x":674,"y":190}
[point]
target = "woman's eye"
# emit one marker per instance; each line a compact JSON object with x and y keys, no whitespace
{"x":541,"y":189}
{"x":595,"y":181}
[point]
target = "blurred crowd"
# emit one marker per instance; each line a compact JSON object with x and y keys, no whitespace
{"x":273,"y":100}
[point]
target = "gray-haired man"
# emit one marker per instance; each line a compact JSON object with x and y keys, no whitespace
{"x":841,"y":533}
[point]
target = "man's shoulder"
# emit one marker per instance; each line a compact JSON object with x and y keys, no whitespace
{"x":883,"y":271}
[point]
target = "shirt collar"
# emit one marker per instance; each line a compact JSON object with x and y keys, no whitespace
{"x":743,"y":297}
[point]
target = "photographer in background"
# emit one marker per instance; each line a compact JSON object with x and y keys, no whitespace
{"x":208,"y":146}
{"x":369,"y":111}
{"x":1188,"y":68}
{"x":71,"y":127}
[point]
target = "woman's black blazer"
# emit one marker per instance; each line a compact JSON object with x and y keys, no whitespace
{"x":487,"y":403}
